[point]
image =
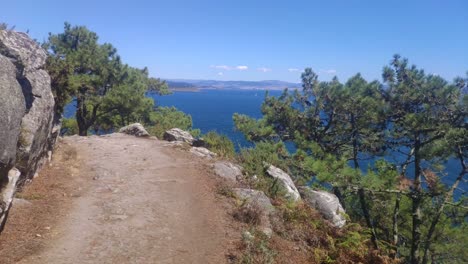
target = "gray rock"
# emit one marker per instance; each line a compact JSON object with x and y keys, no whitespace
{"x":135,"y":129}
{"x":285,"y":180}
{"x":203,"y":152}
{"x":255,"y":198}
{"x":228,"y":171}
{"x":177,"y":134}
{"x":258,"y":201}
{"x":27,"y":112}
{"x":13,"y":108}
{"x":7,"y":194}
{"x":247,"y":236}
{"x":326,"y":203}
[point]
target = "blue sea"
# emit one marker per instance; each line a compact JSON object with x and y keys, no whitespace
{"x":212,"y":110}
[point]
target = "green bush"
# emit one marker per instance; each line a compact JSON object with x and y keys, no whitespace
{"x":220,"y":144}
{"x":195,"y":132}
{"x":165,"y":118}
{"x":69,"y":126}
{"x":253,"y":161}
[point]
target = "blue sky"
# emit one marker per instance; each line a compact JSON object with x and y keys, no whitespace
{"x":262,"y":40}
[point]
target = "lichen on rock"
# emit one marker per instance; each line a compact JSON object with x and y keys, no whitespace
{"x":28,"y":120}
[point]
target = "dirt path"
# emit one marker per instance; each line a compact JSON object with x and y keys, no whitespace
{"x":139,"y":201}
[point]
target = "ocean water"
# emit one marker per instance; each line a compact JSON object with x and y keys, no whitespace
{"x":212,"y":110}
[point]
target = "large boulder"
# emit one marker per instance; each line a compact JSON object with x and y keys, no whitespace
{"x":27,"y":113}
{"x":228,"y":171}
{"x":285,"y":180}
{"x":135,"y":129}
{"x":12,"y":107}
{"x":326,"y":203}
{"x":177,"y":134}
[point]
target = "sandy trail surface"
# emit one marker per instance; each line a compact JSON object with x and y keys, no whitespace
{"x":137,"y":201}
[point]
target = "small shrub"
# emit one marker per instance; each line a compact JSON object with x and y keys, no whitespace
{"x":69,"y":127}
{"x":220,"y":144}
{"x":227,"y":191}
{"x":249,"y":213}
{"x":195,"y":132}
{"x":165,"y":118}
{"x":252,"y":159}
{"x":257,"y":249}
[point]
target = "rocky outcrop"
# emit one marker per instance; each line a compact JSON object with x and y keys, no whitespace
{"x":228,"y":171}
{"x":260,"y":204}
{"x":203,"y":152}
{"x":135,"y":129}
{"x":285,"y":180}
{"x":177,"y":134}
{"x":254,"y":198}
{"x":27,"y":113}
{"x":326,"y":203}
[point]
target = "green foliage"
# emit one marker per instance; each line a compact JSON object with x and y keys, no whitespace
{"x":254,"y":130}
{"x":257,"y":249}
{"x":69,"y":126}
{"x":126,"y":103}
{"x":254,"y":161}
{"x":219,"y":144}
{"x":336,"y":127}
{"x":195,"y":132}
{"x":165,"y":118}
{"x":108,"y":93}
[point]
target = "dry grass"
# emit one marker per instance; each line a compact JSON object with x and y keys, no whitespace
{"x":49,"y":195}
{"x":251,"y":214}
{"x":301,"y":235}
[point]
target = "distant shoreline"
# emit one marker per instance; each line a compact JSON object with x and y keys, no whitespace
{"x":187,"y":90}
{"x":197,"y":89}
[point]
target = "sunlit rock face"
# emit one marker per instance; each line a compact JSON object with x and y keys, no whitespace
{"x":27,"y":131}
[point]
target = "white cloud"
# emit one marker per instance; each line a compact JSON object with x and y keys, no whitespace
{"x":220,"y":73}
{"x":229,"y":68}
{"x":221,"y":67}
{"x":242,"y":68}
{"x":263,"y":69}
{"x":329,"y":71}
{"x":293,"y":70}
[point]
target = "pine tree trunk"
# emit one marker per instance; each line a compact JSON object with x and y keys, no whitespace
{"x":361,"y":194}
{"x":396,"y":212}
{"x":81,"y":113}
{"x":417,"y":204}
{"x":365,"y":211}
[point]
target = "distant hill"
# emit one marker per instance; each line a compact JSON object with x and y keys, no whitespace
{"x":181,"y":84}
